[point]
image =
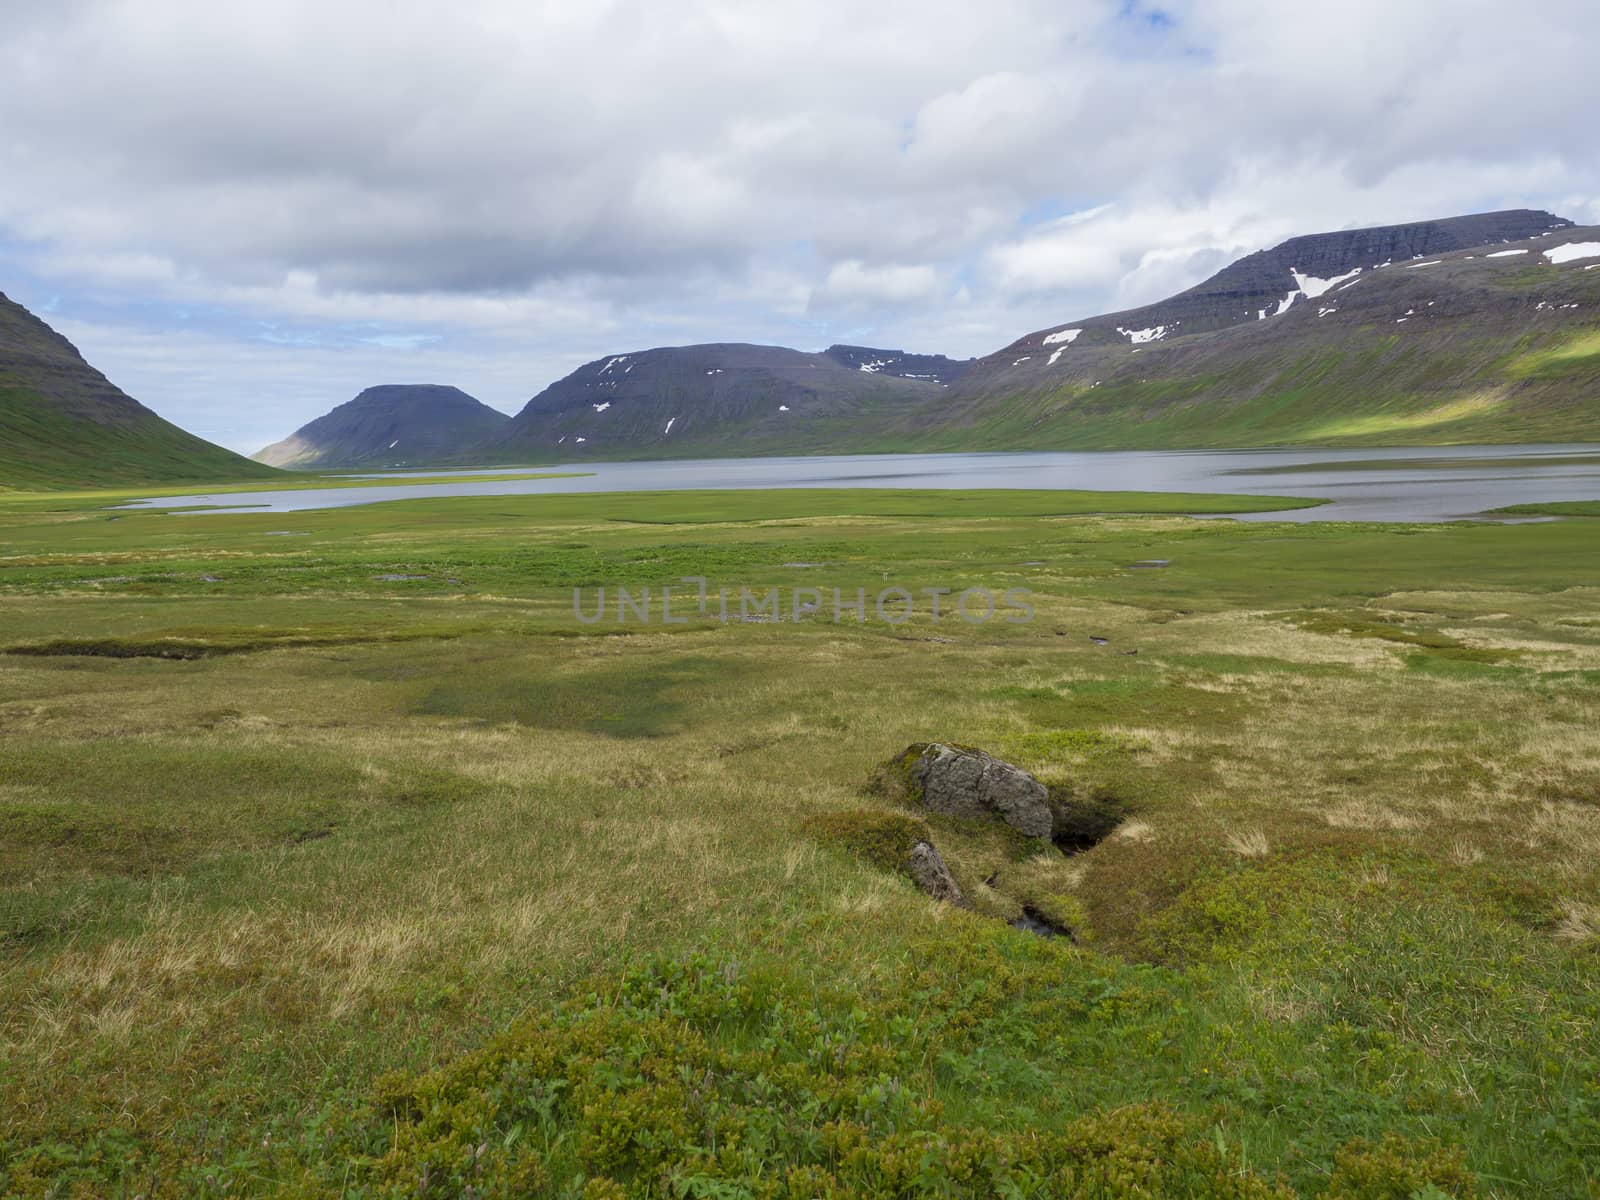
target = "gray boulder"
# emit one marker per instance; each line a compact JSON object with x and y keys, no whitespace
{"x":927,"y":870}
{"x":969,"y":783}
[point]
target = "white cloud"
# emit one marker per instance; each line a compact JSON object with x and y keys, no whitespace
{"x":854,"y":282}
{"x":549,"y":182}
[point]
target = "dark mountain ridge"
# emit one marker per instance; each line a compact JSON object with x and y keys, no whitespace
{"x":727,"y":398}
{"x":1267,"y":282}
{"x":395,"y":424}
{"x":933,"y":368}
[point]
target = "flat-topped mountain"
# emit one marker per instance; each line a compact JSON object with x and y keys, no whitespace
{"x":63,"y":423}
{"x":718,"y":399}
{"x":933,"y":368}
{"x":395,"y":424}
{"x":1314,"y":342}
{"x":1267,"y":282}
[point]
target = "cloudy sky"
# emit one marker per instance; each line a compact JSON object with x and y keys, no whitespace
{"x":246,"y":212}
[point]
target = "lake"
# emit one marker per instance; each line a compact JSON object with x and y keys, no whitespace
{"x":1410,"y":484}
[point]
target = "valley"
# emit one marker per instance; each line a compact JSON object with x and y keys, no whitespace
{"x":1468,"y":330}
{"x":450,"y":803}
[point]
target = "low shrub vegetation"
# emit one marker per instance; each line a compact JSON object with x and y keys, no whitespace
{"x":405,"y":883}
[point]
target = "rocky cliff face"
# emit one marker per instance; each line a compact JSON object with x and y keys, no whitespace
{"x":411,"y":424}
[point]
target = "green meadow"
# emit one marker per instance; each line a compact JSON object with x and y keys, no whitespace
{"x":338,"y":857}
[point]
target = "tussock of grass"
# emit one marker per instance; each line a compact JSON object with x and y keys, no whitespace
{"x":882,"y":839}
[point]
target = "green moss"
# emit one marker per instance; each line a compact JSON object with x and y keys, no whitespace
{"x":1437,"y":644}
{"x":893,"y":781}
{"x":695,"y":1079}
{"x":1401,"y":1169}
{"x":1359,"y":627}
{"x":881,"y":838}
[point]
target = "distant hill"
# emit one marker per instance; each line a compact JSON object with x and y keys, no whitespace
{"x":1475,"y":329}
{"x":681,"y":401}
{"x":1455,"y":330}
{"x":64,"y":424}
{"x":393,"y":425}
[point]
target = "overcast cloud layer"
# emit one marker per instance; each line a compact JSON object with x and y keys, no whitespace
{"x":245,"y":213}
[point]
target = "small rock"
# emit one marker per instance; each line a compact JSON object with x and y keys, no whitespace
{"x":927,"y":870}
{"x":970,"y":783}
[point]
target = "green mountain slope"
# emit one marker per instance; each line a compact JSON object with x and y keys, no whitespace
{"x":1497,"y":343}
{"x":63,"y":424}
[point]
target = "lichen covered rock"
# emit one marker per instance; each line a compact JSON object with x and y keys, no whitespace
{"x":927,"y":870}
{"x":961,"y":782}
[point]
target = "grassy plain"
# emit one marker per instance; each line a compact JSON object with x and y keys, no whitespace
{"x":338,"y":858}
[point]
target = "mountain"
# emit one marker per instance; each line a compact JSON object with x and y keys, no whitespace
{"x":935,"y":368}
{"x":1480,"y":328}
{"x":1264,"y":283}
{"x":1473,"y":329}
{"x":64,"y":424}
{"x":393,"y":425}
{"x":680,"y":401}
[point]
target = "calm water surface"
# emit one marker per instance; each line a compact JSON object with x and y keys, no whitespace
{"x":1411,"y":484}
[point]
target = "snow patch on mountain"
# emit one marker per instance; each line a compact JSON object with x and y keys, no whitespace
{"x":1506,"y":253}
{"x":1066,"y":335}
{"x":1573,"y":251}
{"x":1310,"y":287}
{"x":1138,"y":337}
